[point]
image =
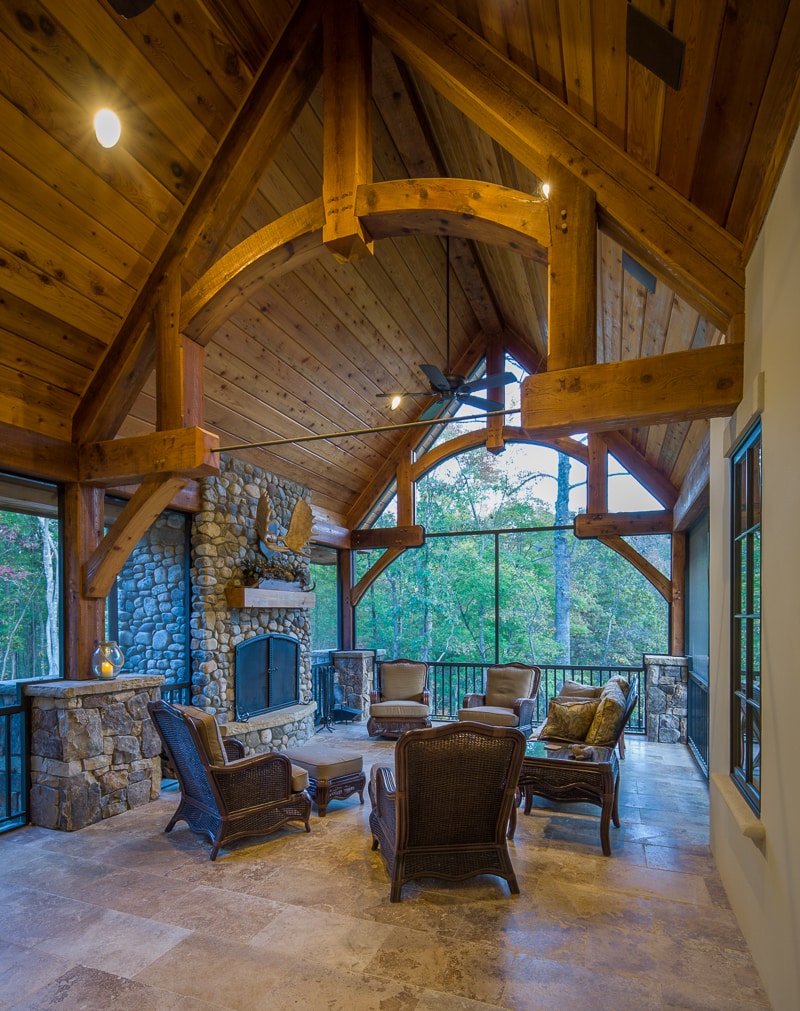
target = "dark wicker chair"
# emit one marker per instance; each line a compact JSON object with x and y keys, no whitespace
{"x":509,"y":699}
{"x":225,"y":796}
{"x":448,"y":813}
{"x":616,"y":737}
{"x":401,"y":701}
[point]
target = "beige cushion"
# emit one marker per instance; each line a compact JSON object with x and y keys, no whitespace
{"x":504,"y":685}
{"x":402,"y":680}
{"x":299,"y":778}
{"x":607,"y":723}
{"x":408,"y":710}
{"x":569,"y":719}
{"x":207,"y":728}
{"x":575,"y":689}
{"x":496,"y":716}
{"x":325,"y":763}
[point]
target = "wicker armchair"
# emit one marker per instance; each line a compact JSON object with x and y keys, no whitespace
{"x":401,"y":700}
{"x":224,"y":795}
{"x":509,"y":699}
{"x":448,"y":813}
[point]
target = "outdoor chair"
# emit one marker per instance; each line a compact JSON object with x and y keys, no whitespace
{"x":593,"y":715}
{"x":401,"y":701}
{"x":509,"y":699}
{"x":223,"y":794}
{"x":446,"y":815}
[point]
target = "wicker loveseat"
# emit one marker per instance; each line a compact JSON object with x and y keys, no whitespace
{"x":592,"y":715}
{"x":223,"y":794}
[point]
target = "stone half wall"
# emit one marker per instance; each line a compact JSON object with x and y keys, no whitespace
{"x":224,"y":538}
{"x":666,"y":680}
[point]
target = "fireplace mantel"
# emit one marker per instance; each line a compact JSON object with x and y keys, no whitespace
{"x":254,"y":596}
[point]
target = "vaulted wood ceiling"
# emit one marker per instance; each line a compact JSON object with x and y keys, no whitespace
{"x":223,"y":136}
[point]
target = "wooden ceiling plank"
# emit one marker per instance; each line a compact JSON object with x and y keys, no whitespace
{"x":610,"y":72}
{"x":699,"y":26}
{"x":576,"y":47}
{"x":634,"y":300}
{"x":347,"y":163}
{"x":610,"y":287}
{"x":694,"y":496}
{"x":43,"y":364}
{"x":746,"y":49}
{"x":706,"y":383}
{"x":533,"y":125}
{"x":646,"y":96}
{"x":773,"y":132}
{"x":519,"y":37}
{"x":546,"y":28}
{"x":28,"y":402}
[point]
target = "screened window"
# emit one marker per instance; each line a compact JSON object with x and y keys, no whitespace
{"x":324,"y":567}
{"x":746,"y":620}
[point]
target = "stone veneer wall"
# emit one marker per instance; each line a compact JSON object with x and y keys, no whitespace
{"x":666,"y":680}
{"x":223,"y":538}
{"x":94,"y":750}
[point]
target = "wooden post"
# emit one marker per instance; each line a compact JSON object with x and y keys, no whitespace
{"x":347,"y":618}
{"x":495,"y":362}
{"x":597,"y":476}
{"x":678,"y":608}
{"x":83,"y":618}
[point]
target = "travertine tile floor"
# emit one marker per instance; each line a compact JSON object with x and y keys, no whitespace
{"x":121,"y":915}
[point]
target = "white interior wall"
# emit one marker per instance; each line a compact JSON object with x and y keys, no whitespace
{"x":759,"y":859}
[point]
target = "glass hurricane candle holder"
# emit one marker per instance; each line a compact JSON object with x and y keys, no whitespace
{"x":107,"y":660}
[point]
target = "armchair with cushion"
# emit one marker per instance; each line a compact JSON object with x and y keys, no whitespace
{"x":223,"y":794}
{"x":447,"y":814}
{"x":401,"y":701}
{"x":592,"y":715}
{"x":509,"y":699}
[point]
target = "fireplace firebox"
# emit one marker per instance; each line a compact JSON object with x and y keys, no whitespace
{"x":267,"y":675}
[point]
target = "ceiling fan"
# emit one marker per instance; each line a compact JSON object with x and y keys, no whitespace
{"x":130,"y":8}
{"x":448,"y":386}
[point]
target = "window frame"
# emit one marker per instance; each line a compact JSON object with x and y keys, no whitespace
{"x":745,"y":616}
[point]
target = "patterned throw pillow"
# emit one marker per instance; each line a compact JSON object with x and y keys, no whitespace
{"x":569,"y":719}
{"x":607,"y":723}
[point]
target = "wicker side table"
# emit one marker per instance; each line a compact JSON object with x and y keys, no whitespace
{"x":555,"y":775}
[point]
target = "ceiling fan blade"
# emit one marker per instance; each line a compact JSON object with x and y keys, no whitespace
{"x":433,"y":409}
{"x":130,"y":8}
{"x":436,"y":378}
{"x":480,"y":402}
{"x":487,"y":382}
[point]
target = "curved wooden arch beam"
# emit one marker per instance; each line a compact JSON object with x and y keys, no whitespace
{"x":372,"y":574}
{"x":464,"y":207}
{"x":661,"y":582}
{"x":472,"y":440}
{"x":275,"y":249}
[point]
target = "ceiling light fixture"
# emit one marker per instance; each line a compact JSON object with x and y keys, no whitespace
{"x":107,"y":127}
{"x":545,"y":190}
{"x":396,"y":401}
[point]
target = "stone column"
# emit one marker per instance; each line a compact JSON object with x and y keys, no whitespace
{"x":666,"y":680}
{"x":355,"y":673}
{"x":94,"y":750}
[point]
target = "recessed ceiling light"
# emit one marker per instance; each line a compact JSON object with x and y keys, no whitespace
{"x":107,"y":127}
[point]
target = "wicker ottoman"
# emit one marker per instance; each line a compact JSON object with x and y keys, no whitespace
{"x":332,"y":775}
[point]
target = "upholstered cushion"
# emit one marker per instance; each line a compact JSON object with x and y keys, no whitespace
{"x":607,"y":723}
{"x":207,"y":728}
{"x":496,"y":716}
{"x":299,"y":778}
{"x":575,"y":689}
{"x":409,"y":710}
{"x":401,"y":680}
{"x":325,"y":763}
{"x":569,"y":719}
{"x":504,"y":685}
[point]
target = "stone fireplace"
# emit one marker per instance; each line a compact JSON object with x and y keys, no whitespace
{"x":267,"y":675}
{"x":223,"y":539}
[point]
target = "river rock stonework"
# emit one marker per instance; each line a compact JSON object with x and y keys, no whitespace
{"x":666,"y":678}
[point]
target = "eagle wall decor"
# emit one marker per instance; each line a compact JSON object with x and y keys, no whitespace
{"x":296,"y":537}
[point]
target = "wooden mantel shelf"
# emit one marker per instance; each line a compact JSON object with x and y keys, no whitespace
{"x":254,"y":596}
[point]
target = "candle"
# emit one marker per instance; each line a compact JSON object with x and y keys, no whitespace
{"x":106,"y":669}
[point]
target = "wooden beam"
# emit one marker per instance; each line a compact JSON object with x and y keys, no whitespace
{"x":387,"y":537}
{"x":369,"y":577}
{"x":661,"y":582}
{"x":328,"y":531}
{"x":186,"y":452}
{"x":693,"y":500}
{"x":698,"y":257}
{"x":106,"y":561}
{"x":39,"y":456}
{"x":638,"y":466}
{"x":703,"y":383}
{"x":347,"y":127}
{"x":404,"y":493}
{"x":83,"y":618}
{"x":623,"y":524}
{"x":281,"y":88}
{"x":169,"y":353}
{"x":495,"y":364}
{"x":571,"y":272}
{"x":597,"y":476}
{"x":186,"y":500}
{"x":678,"y":603}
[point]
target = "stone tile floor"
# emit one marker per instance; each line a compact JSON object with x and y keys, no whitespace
{"x":122,"y":915}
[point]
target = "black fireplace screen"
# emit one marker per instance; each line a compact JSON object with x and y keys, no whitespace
{"x":267,"y":674}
